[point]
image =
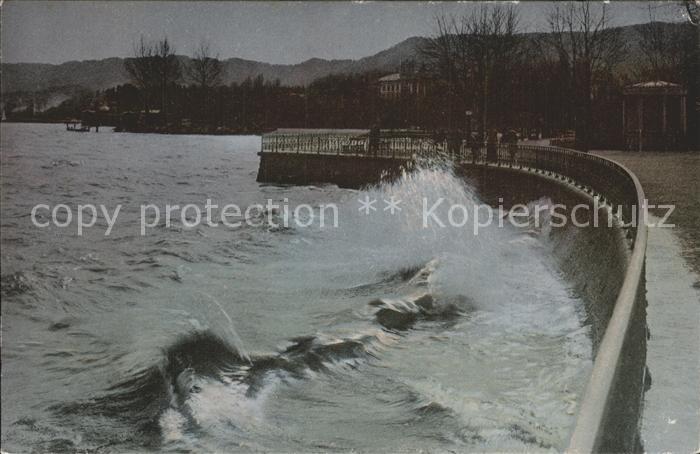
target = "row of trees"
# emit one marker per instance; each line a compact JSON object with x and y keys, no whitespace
{"x":564,"y":77}
{"x":155,"y":69}
{"x":568,"y":78}
{"x":469,"y":52}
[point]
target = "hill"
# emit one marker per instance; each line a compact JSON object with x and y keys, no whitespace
{"x":100,"y":74}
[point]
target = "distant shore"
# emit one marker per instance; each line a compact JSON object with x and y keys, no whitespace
{"x":175,"y":130}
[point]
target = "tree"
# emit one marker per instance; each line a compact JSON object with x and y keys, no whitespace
{"x":587,"y":46}
{"x":664,"y":48}
{"x":204,"y":71}
{"x":447,"y":62}
{"x":167,"y":70}
{"x":468,"y":52}
{"x":492,"y":46}
{"x":688,"y":71}
{"x":141,"y":69}
{"x":154,"y":68}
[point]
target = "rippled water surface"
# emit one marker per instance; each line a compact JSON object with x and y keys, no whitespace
{"x":378,"y":335}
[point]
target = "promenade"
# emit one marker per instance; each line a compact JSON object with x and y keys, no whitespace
{"x":671,"y":417}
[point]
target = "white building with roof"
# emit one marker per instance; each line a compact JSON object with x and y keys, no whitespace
{"x":406,"y":82}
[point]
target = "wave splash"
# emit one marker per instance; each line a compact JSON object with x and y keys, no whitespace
{"x":444,"y":278}
{"x":176,"y":396}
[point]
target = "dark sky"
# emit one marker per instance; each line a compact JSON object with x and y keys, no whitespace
{"x":56,"y":31}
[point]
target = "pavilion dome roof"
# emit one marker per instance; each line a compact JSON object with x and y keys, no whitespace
{"x":390,"y":78}
{"x":655,"y":87}
{"x":655,"y":84}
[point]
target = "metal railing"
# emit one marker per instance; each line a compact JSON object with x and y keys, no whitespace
{"x":385,"y":146}
{"x":609,"y":180}
{"x":616,"y":386}
{"x":594,"y":174}
{"x":567,"y":141}
{"x":614,"y":389}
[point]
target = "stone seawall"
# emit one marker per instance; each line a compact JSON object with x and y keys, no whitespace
{"x":605,"y":265}
{"x":595,"y":277}
{"x":595,"y":261}
{"x":344,"y":171}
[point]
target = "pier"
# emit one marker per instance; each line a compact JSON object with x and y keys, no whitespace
{"x":609,"y":412}
{"x":336,"y":157}
{"x":347,"y":159}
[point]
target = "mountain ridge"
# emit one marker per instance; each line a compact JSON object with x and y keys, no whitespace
{"x":108,"y":72}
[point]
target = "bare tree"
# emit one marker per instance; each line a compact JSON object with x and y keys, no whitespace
{"x":467,"y":51}
{"x":491,"y":45}
{"x":154,"y":68}
{"x":444,"y":52}
{"x":586,"y":46}
{"x":141,"y":69}
{"x":204,"y":69}
{"x":167,"y":70}
{"x":663,"y":49}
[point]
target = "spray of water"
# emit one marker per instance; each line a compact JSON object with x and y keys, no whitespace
{"x":229,"y":329}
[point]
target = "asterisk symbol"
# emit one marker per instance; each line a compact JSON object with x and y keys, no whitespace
{"x":392,"y":205}
{"x":367,"y":205}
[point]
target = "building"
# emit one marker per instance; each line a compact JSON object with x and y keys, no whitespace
{"x":407,"y":82}
{"x":654,"y":116}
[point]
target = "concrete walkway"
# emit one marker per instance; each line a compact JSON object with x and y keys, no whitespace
{"x":671,"y":420}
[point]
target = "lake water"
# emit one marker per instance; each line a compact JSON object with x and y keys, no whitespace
{"x":377,"y":335}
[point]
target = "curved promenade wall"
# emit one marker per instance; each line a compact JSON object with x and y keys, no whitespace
{"x":597,"y":262}
{"x":606,"y":265}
